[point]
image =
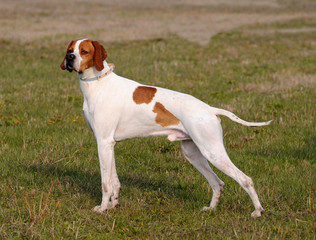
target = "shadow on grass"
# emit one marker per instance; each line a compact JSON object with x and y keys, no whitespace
{"x":90,"y":183}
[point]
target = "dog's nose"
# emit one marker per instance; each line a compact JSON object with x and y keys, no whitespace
{"x":70,"y":56}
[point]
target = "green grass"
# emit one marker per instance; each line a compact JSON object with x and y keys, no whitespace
{"x":49,"y":170}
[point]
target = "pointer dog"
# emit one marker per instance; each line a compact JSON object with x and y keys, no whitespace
{"x":117,"y":108}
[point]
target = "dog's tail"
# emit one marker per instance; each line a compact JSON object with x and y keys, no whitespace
{"x":234,"y":118}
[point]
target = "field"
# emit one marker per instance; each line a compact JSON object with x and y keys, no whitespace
{"x":258,"y":61}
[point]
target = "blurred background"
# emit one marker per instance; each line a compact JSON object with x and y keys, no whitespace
{"x":121,"y":20}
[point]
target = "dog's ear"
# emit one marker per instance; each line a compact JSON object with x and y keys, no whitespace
{"x":99,"y":55}
{"x":62,"y":65}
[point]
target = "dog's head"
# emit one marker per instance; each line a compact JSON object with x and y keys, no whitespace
{"x":83,"y":54}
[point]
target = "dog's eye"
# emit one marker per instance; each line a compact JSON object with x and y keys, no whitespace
{"x":69,"y":51}
{"x":83,"y":52}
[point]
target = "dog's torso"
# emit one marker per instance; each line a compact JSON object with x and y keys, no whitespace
{"x":131,"y":110}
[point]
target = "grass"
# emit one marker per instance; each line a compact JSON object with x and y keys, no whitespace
{"x":50,"y":176}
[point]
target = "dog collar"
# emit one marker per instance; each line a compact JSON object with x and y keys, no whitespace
{"x":111,"y":65}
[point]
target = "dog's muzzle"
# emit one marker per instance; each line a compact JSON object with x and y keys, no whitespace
{"x":70,"y":57}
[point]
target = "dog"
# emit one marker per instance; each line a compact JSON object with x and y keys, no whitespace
{"x":117,"y":108}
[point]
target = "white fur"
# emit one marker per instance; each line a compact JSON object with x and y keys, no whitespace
{"x":113,"y":116}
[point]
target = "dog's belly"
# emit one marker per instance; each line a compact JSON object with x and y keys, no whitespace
{"x":174,"y":133}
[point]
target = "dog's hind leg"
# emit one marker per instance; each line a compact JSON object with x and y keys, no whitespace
{"x":208,"y":137}
{"x":194,"y":156}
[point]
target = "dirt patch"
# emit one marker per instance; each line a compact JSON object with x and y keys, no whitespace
{"x":122,"y":20}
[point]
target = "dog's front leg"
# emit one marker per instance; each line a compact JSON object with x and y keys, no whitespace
{"x":106,"y":156}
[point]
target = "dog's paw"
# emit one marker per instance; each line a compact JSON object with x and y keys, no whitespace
{"x":257,"y":213}
{"x":115,"y":204}
{"x":204,"y":209}
{"x":99,"y":209}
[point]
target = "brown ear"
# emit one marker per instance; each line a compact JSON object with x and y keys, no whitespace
{"x":62,"y":65}
{"x":99,"y":55}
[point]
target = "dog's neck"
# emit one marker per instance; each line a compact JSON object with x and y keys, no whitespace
{"x":88,"y":88}
{"x":92,"y":72}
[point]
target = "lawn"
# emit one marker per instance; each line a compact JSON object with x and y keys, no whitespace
{"x":49,"y":170}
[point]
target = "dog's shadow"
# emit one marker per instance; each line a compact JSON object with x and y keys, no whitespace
{"x":76,"y":180}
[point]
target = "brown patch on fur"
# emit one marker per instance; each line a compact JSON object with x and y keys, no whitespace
{"x":99,"y":55}
{"x":87,"y":59}
{"x":144,"y":94}
{"x":95,"y":55}
{"x":164,"y":118}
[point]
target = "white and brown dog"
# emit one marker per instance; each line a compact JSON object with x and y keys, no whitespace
{"x":117,"y":108}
